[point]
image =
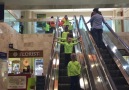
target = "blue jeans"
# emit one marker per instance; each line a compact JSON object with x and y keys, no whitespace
{"x":97,"y":36}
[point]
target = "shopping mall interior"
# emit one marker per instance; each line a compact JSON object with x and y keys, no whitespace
{"x":32,"y":57}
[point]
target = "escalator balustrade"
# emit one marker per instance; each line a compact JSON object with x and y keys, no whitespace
{"x":119,"y":80}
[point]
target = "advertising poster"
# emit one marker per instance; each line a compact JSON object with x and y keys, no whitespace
{"x":16,"y":82}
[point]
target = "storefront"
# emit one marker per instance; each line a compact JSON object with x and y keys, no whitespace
{"x":23,"y":67}
{"x":3,"y":71}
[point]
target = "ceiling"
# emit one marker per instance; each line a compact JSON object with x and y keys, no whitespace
{"x":63,"y":4}
{"x":72,"y":10}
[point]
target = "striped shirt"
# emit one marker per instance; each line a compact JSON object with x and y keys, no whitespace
{"x":96,"y":21}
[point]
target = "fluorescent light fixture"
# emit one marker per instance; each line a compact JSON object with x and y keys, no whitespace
{"x":73,"y":10}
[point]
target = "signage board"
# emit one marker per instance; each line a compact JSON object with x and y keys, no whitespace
{"x":17,"y":82}
{"x":25,"y":54}
{"x":10,"y":45}
{"x":3,"y":55}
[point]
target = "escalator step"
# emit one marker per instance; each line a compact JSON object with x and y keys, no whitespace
{"x":62,"y":55}
{"x":107,"y":56}
{"x":115,"y":73}
{"x":112,"y":66}
{"x":123,"y":87}
{"x":64,"y":87}
{"x":62,"y":61}
{"x":119,"y":80}
{"x":64,"y":79}
{"x":62,"y":66}
{"x":104,"y":50}
{"x":109,"y":61}
{"x":62,"y":72}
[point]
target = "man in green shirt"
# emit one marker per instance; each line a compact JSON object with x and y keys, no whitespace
{"x":74,"y":69}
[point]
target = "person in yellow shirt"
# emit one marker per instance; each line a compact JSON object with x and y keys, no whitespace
{"x":68,"y":48}
{"x":47,"y":28}
{"x":70,"y":27}
{"x":63,"y":20}
{"x":74,"y":70}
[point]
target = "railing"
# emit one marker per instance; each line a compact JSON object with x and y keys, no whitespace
{"x":92,"y":52}
{"x":79,"y":49}
{"x":114,"y":43}
{"x":51,"y":77}
{"x":117,"y":37}
{"x":11,"y":20}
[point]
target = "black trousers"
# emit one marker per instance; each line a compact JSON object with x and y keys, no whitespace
{"x":67,"y":59}
{"x":75,"y":85}
{"x":97,"y":36}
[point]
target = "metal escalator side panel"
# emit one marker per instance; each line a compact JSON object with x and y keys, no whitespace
{"x":51,"y":80}
{"x":91,"y":50}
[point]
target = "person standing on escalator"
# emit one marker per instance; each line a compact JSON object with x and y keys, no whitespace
{"x":68,"y":48}
{"x":52,"y":25}
{"x":21,"y":26}
{"x":97,"y":28}
{"x":74,"y":70}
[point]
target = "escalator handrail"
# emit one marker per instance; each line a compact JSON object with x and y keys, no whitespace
{"x":117,"y":37}
{"x":47,"y":80}
{"x":109,"y":77}
{"x":82,"y":50}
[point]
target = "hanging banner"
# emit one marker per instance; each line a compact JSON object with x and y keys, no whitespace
{"x":24,"y":54}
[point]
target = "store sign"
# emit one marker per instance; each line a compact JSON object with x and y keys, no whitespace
{"x":23,"y":54}
{"x":16,"y":82}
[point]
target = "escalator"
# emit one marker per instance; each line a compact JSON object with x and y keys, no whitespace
{"x":64,"y":80}
{"x":119,"y":80}
{"x":109,"y":58}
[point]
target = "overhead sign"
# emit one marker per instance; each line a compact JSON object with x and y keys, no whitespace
{"x":23,"y":54}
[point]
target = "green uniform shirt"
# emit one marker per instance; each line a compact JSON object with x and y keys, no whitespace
{"x":74,"y":68}
{"x":64,"y":39}
{"x":47,"y":28}
{"x":70,"y":27}
{"x":64,"y":34}
{"x":68,"y":47}
{"x":66,"y":22}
